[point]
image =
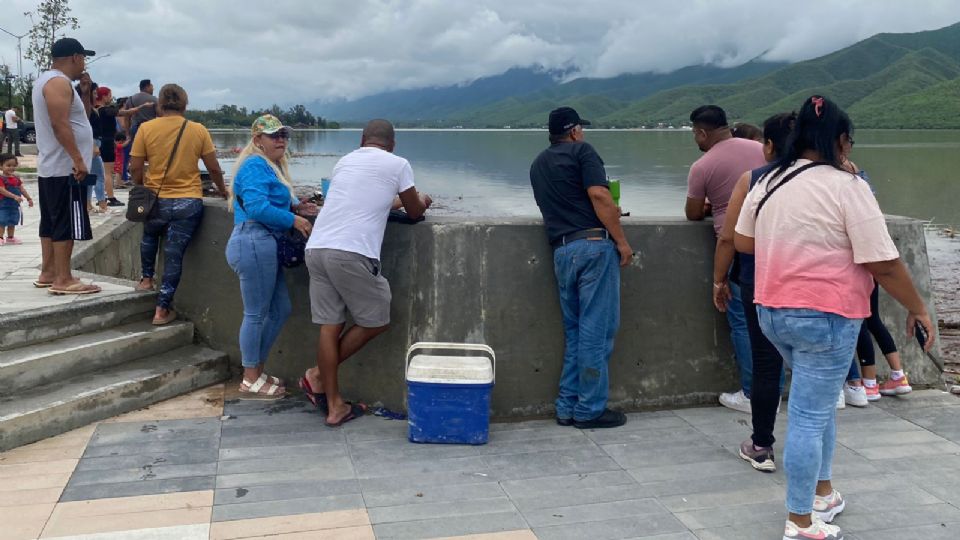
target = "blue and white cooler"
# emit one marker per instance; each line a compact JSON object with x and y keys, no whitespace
{"x":448,"y":392}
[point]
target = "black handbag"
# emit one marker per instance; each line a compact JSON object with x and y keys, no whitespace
{"x":291,"y":244}
{"x":142,"y":202}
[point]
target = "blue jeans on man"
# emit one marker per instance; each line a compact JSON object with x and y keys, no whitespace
{"x":588,"y":278}
{"x":818,"y":347}
{"x":740,"y":337}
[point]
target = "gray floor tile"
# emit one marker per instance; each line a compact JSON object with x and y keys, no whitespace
{"x":334,"y":469}
{"x":753,"y":531}
{"x":131,"y":489}
{"x":747,"y":479}
{"x":945,"y":531}
{"x":534,"y":487}
{"x":428,"y":480}
{"x":318,"y":451}
{"x":202,"y":455}
{"x":248,"y":439}
{"x":650,"y":527}
{"x":443,"y":527}
{"x":859,"y":519}
{"x":719,"y":499}
{"x":546,"y":517}
{"x":335,"y":456}
{"x":725,"y":465}
{"x":742,"y":515}
{"x":230,"y":512}
{"x":166,"y":447}
{"x":451,"y":510}
{"x":518,"y":466}
{"x":148,"y":472}
{"x":432,"y":494}
{"x":304,"y":489}
{"x":572,"y":497}
{"x":632,"y":456}
{"x":372,"y":467}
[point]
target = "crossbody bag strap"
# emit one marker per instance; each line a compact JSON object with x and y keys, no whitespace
{"x":173,"y":153}
{"x":793,"y":174}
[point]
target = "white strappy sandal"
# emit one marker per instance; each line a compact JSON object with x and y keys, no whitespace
{"x":263,"y":388}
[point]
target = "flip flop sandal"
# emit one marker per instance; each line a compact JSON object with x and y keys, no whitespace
{"x":42,"y":285}
{"x":140,"y":286}
{"x":76,"y":288}
{"x":171,"y":316}
{"x":356,"y":411}
{"x":318,"y":399}
{"x":261,"y":389}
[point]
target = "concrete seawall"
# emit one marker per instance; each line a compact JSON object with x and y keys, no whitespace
{"x":491,"y":280}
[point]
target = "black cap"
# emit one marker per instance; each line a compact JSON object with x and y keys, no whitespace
{"x":65,"y":47}
{"x":563,"y":119}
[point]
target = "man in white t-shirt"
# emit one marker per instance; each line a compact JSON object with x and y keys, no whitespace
{"x":343,"y":257}
{"x":11,"y":131}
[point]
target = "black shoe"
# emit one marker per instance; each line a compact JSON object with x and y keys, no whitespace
{"x":564,"y":421}
{"x":19,"y":154}
{"x":112,"y":201}
{"x":609,"y":419}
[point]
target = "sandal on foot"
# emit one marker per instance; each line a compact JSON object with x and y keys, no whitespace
{"x":261,"y":389}
{"x":76,"y":288}
{"x":356,"y":411}
{"x":141,"y":287}
{"x":318,"y":399}
{"x":42,"y":284}
{"x":171,"y":315}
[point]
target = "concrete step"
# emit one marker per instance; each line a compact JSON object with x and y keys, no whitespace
{"x":44,"y":411}
{"x":84,"y":315}
{"x":42,"y":363}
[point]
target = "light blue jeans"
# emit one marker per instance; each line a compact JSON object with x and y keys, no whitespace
{"x":96,"y":168}
{"x":818,"y":347}
{"x":740,"y":337}
{"x":588,"y":276}
{"x":252,"y":254}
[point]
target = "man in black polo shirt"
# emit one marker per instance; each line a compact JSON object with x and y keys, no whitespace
{"x":583,"y":226}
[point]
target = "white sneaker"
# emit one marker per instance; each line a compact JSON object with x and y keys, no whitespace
{"x":736,"y":401}
{"x":818,"y":530}
{"x":856,"y":396}
{"x":827,"y":508}
{"x":841,"y":403}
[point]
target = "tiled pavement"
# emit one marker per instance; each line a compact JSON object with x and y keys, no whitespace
{"x":194,"y":468}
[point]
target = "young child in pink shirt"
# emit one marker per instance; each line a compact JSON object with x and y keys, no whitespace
{"x":12,"y":193}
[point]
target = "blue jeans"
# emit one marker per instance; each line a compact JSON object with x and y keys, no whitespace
{"x":588,"y":277}
{"x":96,"y":167}
{"x":178,"y":219}
{"x":818,"y":346}
{"x":126,"y":155}
{"x":740,"y":337}
{"x":252,"y":253}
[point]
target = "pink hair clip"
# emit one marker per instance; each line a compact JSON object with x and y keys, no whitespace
{"x":817,"y":105}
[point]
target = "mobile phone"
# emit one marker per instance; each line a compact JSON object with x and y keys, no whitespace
{"x":920,"y":333}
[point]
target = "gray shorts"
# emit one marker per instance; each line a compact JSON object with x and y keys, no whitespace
{"x":341,"y":281}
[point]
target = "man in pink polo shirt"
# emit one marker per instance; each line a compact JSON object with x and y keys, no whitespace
{"x":712,"y":178}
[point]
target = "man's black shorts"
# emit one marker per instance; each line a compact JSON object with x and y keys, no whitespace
{"x":63,"y":209}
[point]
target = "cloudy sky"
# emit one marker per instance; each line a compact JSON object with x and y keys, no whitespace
{"x":256,"y":53}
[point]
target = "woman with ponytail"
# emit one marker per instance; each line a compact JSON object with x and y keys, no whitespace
{"x":173,"y":146}
{"x":819,"y":241}
{"x":264,"y":206}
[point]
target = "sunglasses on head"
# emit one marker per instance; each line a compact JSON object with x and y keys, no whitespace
{"x":280,"y":135}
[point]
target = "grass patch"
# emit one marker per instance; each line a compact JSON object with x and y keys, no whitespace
{"x":26,"y":169}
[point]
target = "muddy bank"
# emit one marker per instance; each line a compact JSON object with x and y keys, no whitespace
{"x":943,"y":250}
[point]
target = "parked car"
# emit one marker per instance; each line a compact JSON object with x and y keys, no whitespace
{"x":28,"y":133}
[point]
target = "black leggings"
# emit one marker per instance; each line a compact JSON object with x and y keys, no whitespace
{"x":767,"y":374}
{"x":873,"y":325}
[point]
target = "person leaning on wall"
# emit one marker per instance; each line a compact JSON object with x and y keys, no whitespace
{"x":176,"y":181}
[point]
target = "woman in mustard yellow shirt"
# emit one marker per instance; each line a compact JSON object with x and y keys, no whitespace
{"x":179,"y":190}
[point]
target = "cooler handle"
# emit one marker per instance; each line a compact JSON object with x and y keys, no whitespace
{"x":453,"y":346}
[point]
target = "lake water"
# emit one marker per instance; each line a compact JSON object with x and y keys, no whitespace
{"x":485,"y":173}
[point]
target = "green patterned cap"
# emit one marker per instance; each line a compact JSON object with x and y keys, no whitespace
{"x":268,"y":124}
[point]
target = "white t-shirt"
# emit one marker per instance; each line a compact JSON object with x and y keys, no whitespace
{"x":362,"y":189}
{"x":8,"y":120}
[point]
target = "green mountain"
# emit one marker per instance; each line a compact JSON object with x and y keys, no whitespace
{"x":886,"y":81}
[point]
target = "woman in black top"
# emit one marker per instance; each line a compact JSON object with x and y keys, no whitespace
{"x":107,"y":119}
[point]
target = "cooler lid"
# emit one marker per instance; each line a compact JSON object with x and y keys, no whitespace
{"x":428,"y":368}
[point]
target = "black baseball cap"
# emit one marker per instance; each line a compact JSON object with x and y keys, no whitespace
{"x":563,"y":119}
{"x":65,"y":47}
